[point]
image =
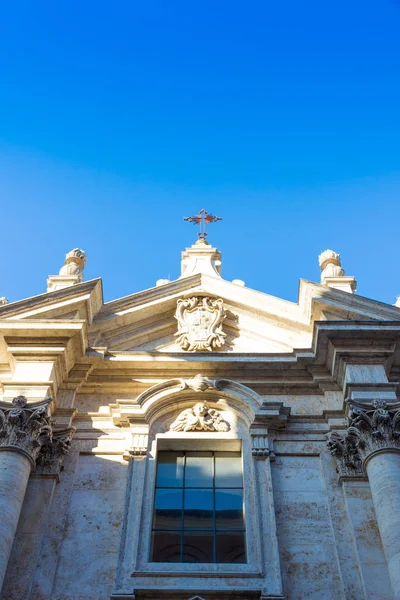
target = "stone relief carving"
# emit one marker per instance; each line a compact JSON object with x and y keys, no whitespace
{"x":26,"y":427}
{"x":199,"y":418}
{"x":74,"y":263}
{"x":200,"y":320}
{"x":51,"y":456}
{"x":371,"y":427}
{"x":198,"y":383}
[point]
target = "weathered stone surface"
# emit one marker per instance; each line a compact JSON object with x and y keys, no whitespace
{"x":92,"y":530}
{"x":28,"y":539}
{"x":363,"y":526}
{"x":309,"y":562}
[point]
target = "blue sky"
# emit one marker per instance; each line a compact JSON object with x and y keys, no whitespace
{"x":117,"y":120}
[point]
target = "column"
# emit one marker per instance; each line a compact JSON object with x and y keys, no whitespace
{"x":24,"y":430}
{"x":371,"y":445}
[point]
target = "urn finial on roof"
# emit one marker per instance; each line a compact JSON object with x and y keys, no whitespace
{"x":70,"y":273}
{"x":332,"y":273}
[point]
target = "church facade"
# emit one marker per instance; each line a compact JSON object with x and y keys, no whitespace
{"x":199,"y":440}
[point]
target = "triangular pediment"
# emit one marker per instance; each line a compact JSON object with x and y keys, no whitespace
{"x":255,"y":322}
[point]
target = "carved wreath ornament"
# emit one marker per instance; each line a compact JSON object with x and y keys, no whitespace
{"x":199,"y":418}
{"x":200,"y":321}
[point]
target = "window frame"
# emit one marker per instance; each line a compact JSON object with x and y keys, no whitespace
{"x":136,"y":574}
{"x":214,"y":488}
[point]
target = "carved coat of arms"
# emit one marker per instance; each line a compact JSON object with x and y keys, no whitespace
{"x":200,"y":321}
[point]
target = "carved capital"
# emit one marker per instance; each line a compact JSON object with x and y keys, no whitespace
{"x":260,"y":447}
{"x":51,"y":456}
{"x":371,"y":428}
{"x":199,"y":418}
{"x":200,"y":320}
{"x":138,"y":449}
{"x":25,"y":427}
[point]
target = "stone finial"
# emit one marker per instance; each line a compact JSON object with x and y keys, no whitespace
{"x":332,"y":273}
{"x":70,"y":273}
{"x":330,"y":264}
{"x":25,"y":427}
{"x":74,"y":263}
{"x":397,"y":303}
{"x":3,"y":300}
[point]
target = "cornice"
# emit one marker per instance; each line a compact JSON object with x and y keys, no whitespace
{"x":88,"y":291}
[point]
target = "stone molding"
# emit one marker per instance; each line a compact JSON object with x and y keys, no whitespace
{"x":199,"y":418}
{"x":24,"y":427}
{"x":163,"y":396}
{"x":372,"y":428}
{"x":200,"y":320}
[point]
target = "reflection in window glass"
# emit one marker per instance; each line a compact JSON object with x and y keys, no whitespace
{"x":229,"y":509}
{"x":170,"y":469}
{"x":199,"y":469}
{"x":198,"y":508}
{"x":168,"y":509}
{"x":228,"y":469}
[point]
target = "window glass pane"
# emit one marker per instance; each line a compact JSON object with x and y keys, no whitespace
{"x":166,"y":546}
{"x":198,"y":546}
{"x":231,"y":547}
{"x":199,"y":469}
{"x":170,"y":469}
{"x":228,"y":469}
{"x":199,"y":507}
{"x":229,"y":509}
{"x":168,"y":509}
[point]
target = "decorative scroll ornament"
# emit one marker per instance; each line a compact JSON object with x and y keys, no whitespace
{"x":200,"y":321}
{"x":25,"y":427}
{"x":199,"y":418}
{"x":370,"y":428}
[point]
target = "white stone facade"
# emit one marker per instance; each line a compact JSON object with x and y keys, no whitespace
{"x":307,"y":392}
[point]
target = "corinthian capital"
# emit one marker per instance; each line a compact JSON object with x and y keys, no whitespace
{"x":371,"y":428}
{"x":51,"y":456}
{"x":25,"y":427}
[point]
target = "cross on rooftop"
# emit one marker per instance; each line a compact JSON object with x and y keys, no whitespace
{"x":203,"y":218}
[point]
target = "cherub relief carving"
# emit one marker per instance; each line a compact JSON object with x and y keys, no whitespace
{"x":199,"y":418}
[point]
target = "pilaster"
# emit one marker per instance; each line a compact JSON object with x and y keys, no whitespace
{"x":262,"y":456}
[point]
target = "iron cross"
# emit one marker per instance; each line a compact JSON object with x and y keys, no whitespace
{"x":203,"y":218}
